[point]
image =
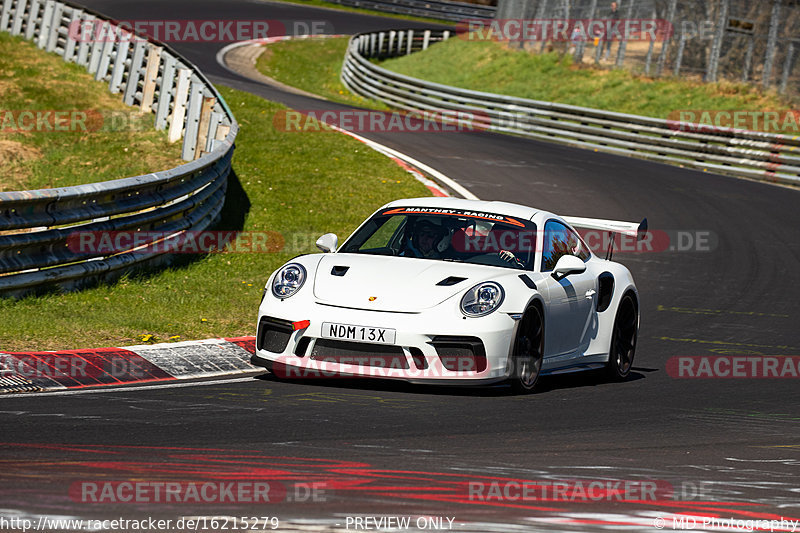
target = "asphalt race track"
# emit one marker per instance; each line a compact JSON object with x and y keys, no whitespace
{"x":335,"y":451}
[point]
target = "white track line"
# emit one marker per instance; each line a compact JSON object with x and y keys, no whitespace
{"x":167,"y":384}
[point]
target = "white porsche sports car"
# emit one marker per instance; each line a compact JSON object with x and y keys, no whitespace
{"x":451,"y":291}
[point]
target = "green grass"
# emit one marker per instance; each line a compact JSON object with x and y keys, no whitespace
{"x":299,"y":184}
{"x":312,"y":65}
{"x":33,"y":157}
{"x":552,"y":77}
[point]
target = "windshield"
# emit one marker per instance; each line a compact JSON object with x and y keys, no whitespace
{"x":447,"y":235}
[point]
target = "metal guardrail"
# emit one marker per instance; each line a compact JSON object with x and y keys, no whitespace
{"x":435,"y":9}
{"x":751,"y":154}
{"x":38,"y":228}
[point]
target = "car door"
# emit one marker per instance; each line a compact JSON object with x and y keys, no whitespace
{"x":572,"y":299}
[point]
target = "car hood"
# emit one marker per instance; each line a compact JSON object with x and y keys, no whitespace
{"x":400,"y":284}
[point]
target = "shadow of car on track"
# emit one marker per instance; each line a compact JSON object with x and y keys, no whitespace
{"x":546,"y":384}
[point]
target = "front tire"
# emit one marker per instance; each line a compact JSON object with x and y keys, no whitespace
{"x":528,"y":353}
{"x":623,"y":339}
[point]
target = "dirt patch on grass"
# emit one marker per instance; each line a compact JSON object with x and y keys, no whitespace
{"x":13,"y":158}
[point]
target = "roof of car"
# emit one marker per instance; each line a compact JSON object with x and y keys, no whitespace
{"x":500,"y":208}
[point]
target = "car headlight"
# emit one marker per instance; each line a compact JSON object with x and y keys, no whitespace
{"x":482,"y":299}
{"x":288,"y":280}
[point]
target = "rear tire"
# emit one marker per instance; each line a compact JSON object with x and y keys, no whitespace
{"x":623,"y":339}
{"x":528,"y":353}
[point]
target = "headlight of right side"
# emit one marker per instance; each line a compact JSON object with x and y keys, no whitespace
{"x":482,"y":299}
{"x":288,"y":280}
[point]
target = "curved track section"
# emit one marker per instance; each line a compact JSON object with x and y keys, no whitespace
{"x":725,"y":448}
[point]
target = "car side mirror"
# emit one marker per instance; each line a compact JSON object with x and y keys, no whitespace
{"x":568,"y":264}
{"x":328,"y":242}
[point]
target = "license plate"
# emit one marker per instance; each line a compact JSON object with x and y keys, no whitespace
{"x":358,"y":333}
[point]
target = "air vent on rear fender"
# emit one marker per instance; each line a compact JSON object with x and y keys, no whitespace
{"x":452,"y":280}
{"x":339,"y":270}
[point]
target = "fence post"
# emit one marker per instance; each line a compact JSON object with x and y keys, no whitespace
{"x":410,"y":41}
{"x":98,"y":42}
{"x":179,"y":109}
{"x":582,"y":44}
{"x":192,"y":120}
{"x":150,"y":77}
{"x":105,"y":54}
{"x":662,"y":57}
{"x":648,"y":59}
{"x":83,"y":46}
{"x":135,"y":72}
{"x":44,"y":27}
{"x":33,"y":16}
{"x":118,"y":70}
{"x":679,"y":55}
{"x":748,"y":58}
{"x":206,"y":110}
{"x":772,"y":40}
{"x":426,"y":39}
{"x":74,"y":32}
{"x":19,"y":13}
{"x":716,"y":47}
{"x":787,"y":66}
{"x":5,"y":14}
{"x":165,"y":91}
{"x":55,"y":27}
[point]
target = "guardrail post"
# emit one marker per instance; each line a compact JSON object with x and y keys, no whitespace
{"x":73,"y":34}
{"x":192,"y":120}
{"x":410,"y":41}
{"x":426,"y":39}
{"x":372,"y":40}
{"x":5,"y":14}
{"x":390,"y":44}
{"x":83,"y":47}
{"x":106,"y":52}
{"x":135,"y":72}
{"x":150,"y":77}
{"x":213,"y":124}
{"x":55,"y":27}
{"x":33,"y":17}
{"x":98,"y":40}
{"x":179,"y":109}
{"x":400,"y":36}
{"x":19,"y":14}
{"x":47,"y":22}
{"x":380,"y":43}
{"x":206,"y":110}
{"x":165,"y":90}
{"x":118,"y":70}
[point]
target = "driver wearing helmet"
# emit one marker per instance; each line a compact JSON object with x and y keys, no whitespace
{"x":428,"y":240}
